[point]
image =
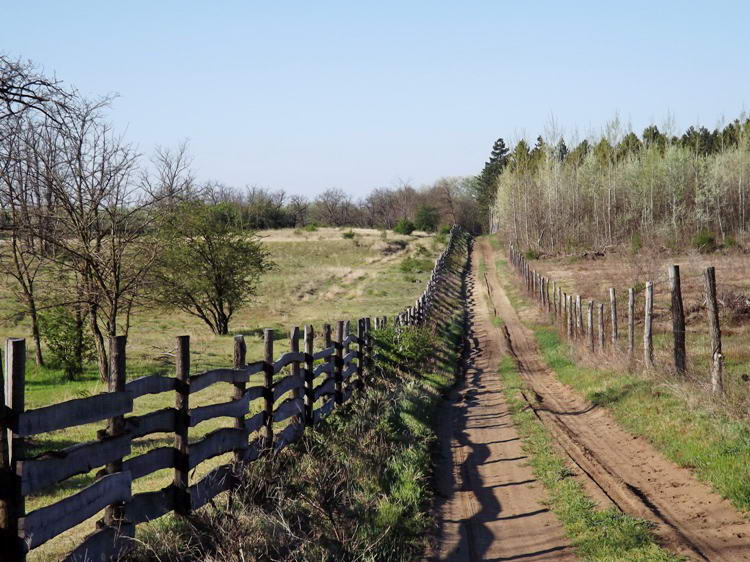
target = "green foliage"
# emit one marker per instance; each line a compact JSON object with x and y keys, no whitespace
{"x":415,"y":265}
{"x":404,"y":226}
{"x":349,"y":234}
{"x":705,"y":241}
{"x":532,"y":254}
{"x":68,"y":342}
{"x":730,"y":242}
{"x":444,"y":230}
{"x":310,"y":227}
{"x":636,"y":242}
{"x":210,"y":265}
{"x":427,"y":218}
{"x":407,"y":348}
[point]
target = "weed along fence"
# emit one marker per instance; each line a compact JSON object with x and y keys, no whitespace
{"x":596,"y":325}
{"x":299,"y":389}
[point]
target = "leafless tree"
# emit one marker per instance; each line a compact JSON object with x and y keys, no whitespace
{"x":23,"y":88}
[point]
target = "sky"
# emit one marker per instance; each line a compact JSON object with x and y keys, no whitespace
{"x":304,"y":96}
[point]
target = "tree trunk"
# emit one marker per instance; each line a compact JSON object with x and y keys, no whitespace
{"x":101,"y":349}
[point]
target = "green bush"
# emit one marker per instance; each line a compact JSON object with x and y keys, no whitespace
{"x":66,"y":339}
{"x":445,"y":229}
{"x":705,"y":241}
{"x":730,"y":242}
{"x":349,"y":234}
{"x":312,"y":227}
{"x":532,"y":254}
{"x":415,"y":265}
{"x":404,"y":226}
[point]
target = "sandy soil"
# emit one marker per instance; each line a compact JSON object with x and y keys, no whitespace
{"x":491,"y":506}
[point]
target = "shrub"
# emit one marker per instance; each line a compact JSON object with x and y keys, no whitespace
{"x":404,"y":226}
{"x":730,"y":242}
{"x":415,"y":265}
{"x":349,"y":234}
{"x":445,"y":229}
{"x":532,"y":254}
{"x":407,"y":349}
{"x":312,"y":227}
{"x":705,"y":241}
{"x":67,"y":341}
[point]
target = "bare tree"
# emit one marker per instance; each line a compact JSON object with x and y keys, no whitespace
{"x":23,"y":88}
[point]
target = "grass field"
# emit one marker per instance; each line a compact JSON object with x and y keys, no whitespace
{"x":320,"y":277}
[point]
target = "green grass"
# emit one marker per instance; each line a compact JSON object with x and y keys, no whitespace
{"x":596,"y":534}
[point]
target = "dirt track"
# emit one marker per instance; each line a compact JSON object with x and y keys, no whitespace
{"x":690,"y":518}
{"x":491,"y":507}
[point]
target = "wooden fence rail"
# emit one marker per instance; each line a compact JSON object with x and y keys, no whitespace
{"x":569,"y":311}
{"x":299,"y":389}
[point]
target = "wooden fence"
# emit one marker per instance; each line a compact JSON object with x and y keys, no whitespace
{"x":567,"y":311}
{"x":313,"y":384}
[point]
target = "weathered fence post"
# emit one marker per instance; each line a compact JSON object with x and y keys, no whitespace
{"x":554,"y":299}
{"x":268,"y":386}
{"x":717,"y":359}
{"x":12,"y":503}
{"x":116,"y":426}
{"x":361,"y":350}
{"x":601,"y":326}
{"x":368,"y":344}
{"x":613,"y":315}
{"x":631,"y":322}
{"x":182,"y":424}
{"x":297,"y":393}
{"x":338,"y":364}
{"x":590,"y":323}
{"x":678,"y":319}
{"x":309,"y":368}
{"x":238,"y":362}
{"x":579,"y":318}
{"x":648,"y":316}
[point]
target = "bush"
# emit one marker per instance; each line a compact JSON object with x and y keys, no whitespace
{"x":415,"y":265}
{"x":349,"y":234}
{"x":404,"y":226}
{"x":312,"y":227}
{"x":730,"y":242}
{"x":67,"y":341}
{"x":408,"y":349}
{"x":532,"y":254}
{"x":705,"y":241}
{"x":445,"y":229}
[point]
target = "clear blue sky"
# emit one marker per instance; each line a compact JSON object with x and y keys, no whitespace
{"x":309,"y":95}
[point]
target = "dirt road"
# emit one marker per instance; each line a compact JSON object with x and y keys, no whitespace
{"x":690,"y":518}
{"x":491,"y":507}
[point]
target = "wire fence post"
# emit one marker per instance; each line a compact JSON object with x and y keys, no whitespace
{"x":678,"y":319}
{"x":717,"y":359}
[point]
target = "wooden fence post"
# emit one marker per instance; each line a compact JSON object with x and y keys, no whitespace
{"x":590,"y":322}
{"x":12,"y":502}
{"x":268,"y":386}
{"x":613,"y":315}
{"x":678,"y":319}
{"x":113,"y":515}
{"x":239,"y":361}
{"x":182,"y":424}
{"x":368,"y":344}
{"x":631,"y":322}
{"x":554,"y":299}
{"x":717,"y":359}
{"x":601,"y":326}
{"x":569,"y":313}
{"x":298,"y":392}
{"x":309,"y":367}
{"x":361,"y":350}
{"x":579,"y":318}
{"x":648,"y":344}
{"x":338,"y":365}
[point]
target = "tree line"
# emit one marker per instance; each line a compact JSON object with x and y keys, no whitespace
{"x":91,"y":230}
{"x":622,"y":188}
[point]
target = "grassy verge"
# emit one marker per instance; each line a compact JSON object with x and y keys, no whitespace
{"x":596,"y":534}
{"x":713,"y":445}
